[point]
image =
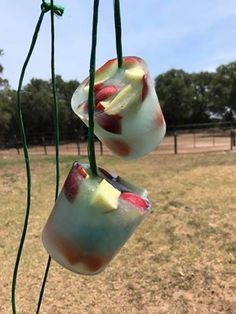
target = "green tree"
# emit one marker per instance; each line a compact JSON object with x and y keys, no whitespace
{"x":7,"y":97}
{"x":69,"y":122}
{"x":223,"y":92}
{"x":37,"y":107}
{"x":201,"y":84}
{"x":175,"y":93}
{"x":3,"y":82}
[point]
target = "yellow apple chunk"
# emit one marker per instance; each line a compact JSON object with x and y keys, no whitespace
{"x":135,"y":74}
{"x":106,"y":197}
{"x":120,"y":102}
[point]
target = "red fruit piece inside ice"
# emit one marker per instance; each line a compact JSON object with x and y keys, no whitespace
{"x":70,"y":252}
{"x":82,"y":172}
{"x":132,"y":60}
{"x":74,"y":255}
{"x":145,"y":87}
{"x":92,"y":262}
{"x":119,"y":147}
{"x":135,"y":199}
{"x":109,"y":122}
{"x":159,"y":119}
{"x":99,"y":107}
{"x":72,"y":183}
{"x":105,"y":93}
{"x":97,"y":87}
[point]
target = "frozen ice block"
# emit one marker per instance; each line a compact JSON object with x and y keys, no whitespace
{"x":128,"y":116}
{"x":92,"y":218}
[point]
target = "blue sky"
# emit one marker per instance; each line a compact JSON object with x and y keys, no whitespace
{"x":192,"y":35}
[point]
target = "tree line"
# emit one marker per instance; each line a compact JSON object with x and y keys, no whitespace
{"x":185,"y":98}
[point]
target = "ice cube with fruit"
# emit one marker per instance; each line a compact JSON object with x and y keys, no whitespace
{"x":93,"y":217}
{"x":128,"y":116}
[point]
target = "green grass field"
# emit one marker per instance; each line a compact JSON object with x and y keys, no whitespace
{"x":182,"y":259}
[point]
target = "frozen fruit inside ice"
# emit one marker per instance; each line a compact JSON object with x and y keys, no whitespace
{"x":96,"y":88}
{"x":135,"y":199}
{"x":145,"y":87}
{"x":131,"y":61}
{"x":100,"y":106}
{"x":109,"y":122}
{"x":124,"y":108}
{"x":105,"y":93}
{"x":72,"y":183}
{"x":135,"y":74}
{"x":121,"y":100}
{"x":105,"y":197}
{"x":119,"y":147}
{"x":81,"y":171}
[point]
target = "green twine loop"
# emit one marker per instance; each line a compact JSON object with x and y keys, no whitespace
{"x":56,"y":138}
{"x":117,"y":18}
{"x":57,"y":10}
{"x":27,"y":161}
{"x":45,"y":7}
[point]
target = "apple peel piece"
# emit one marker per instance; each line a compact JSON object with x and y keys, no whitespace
{"x":109,"y":122}
{"x":72,"y":183}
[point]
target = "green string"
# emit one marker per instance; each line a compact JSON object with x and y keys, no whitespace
{"x":91,"y":146}
{"x":27,"y":161}
{"x":58,"y":11}
{"x":56,"y":128}
{"x":118,"y":32}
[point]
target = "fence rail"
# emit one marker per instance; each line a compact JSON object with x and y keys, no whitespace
{"x":178,"y":140}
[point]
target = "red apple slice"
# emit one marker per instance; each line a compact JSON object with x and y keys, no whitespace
{"x":96,"y":88}
{"x":119,"y":147}
{"x":145,"y":87}
{"x":109,"y":122}
{"x":131,"y":60}
{"x":72,"y":183}
{"x":92,"y":262}
{"x":99,"y":107}
{"x":105,"y":93}
{"x":158,"y":118}
{"x":135,"y":199}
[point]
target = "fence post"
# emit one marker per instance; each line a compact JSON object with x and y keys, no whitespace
{"x":17,"y":144}
{"x":232,"y":139}
{"x":213,"y":138}
{"x":175,"y":143}
{"x":44,"y":145}
{"x":194,"y":139}
{"x":101,"y":148}
{"x":78,"y":146}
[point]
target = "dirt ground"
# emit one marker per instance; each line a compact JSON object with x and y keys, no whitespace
{"x":182,"y":259}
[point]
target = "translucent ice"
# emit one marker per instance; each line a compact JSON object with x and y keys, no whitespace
{"x":92,"y":218}
{"x":128,"y":117}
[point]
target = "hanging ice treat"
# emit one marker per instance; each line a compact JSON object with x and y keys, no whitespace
{"x":128,"y":117}
{"x":92,"y":218}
